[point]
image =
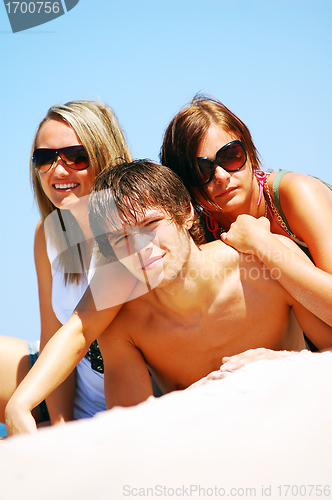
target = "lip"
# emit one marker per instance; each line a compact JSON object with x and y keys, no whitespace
{"x":153,"y":262}
{"x":226,"y":192}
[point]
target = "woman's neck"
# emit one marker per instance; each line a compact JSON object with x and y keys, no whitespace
{"x":79,"y":210}
{"x":83,"y":222}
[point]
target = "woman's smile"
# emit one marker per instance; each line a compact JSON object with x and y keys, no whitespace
{"x":61,"y":184}
{"x":66,"y":187}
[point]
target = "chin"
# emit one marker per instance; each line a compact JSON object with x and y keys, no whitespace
{"x":152,"y":280}
{"x":70,"y":203}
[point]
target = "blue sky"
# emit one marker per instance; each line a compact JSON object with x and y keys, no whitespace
{"x":270,"y":61}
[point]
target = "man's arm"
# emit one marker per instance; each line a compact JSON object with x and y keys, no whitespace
{"x":126,"y":377}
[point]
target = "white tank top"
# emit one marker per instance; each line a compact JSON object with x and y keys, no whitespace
{"x":89,"y":395}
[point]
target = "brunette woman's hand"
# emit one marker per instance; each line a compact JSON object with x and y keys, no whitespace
{"x":248,"y":234}
{"x":232,"y":363}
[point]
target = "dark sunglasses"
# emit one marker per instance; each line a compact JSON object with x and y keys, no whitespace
{"x":230,"y":157}
{"x":74,"y":157}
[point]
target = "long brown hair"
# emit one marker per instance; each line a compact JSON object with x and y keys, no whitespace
{"x":187,"y":130}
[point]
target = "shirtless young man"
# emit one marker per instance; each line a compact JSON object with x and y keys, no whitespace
{"x":204,"y":302}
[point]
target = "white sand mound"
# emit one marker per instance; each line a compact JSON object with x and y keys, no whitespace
{"x":250,"y":434}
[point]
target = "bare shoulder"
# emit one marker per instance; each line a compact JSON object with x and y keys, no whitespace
{"x":295,"y":187}
{"x":130,"y":322}
{"x":307,"y":205}
{"x":137,"y":306}
{"x":219,"y":250}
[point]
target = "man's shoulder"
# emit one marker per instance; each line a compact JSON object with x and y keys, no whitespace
{"x":137,"y":302}
{"x":219,"y":249}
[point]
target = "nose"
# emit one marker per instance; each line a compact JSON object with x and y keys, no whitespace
{"x":140,"y":241}
{"x":59,"y":167}
{"x":220,"y":174}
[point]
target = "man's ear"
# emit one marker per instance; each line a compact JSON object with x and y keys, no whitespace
{"x":190,"y":219}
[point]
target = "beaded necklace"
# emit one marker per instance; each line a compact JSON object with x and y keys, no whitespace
{"x":261,"y":176}
{"x":278,"y":219}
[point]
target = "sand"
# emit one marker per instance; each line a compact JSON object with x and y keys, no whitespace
{"x":250,"y":434}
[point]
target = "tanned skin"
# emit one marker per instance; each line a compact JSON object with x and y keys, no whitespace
{"x":204,"y":304}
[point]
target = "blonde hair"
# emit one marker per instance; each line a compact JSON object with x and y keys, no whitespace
{"x":98,"y":130}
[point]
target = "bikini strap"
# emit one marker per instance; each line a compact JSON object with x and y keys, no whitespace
{"x":279,"y":217}
{"x":275,"y":189}
{"x":261,"y":177}
{"x":212,"y":226}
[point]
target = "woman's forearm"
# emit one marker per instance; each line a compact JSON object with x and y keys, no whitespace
{"x":309,"y":285}
{"x":57,"y":360}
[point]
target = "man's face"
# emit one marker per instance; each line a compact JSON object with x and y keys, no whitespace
{"x":154,"y":250}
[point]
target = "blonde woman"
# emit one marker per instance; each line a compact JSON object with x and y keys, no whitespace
{"x":72,"y":145}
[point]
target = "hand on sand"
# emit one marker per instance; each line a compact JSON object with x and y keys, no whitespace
{"x":19,"y":421}
{"x":232,"y":363}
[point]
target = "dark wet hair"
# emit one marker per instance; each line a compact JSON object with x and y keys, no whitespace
{"x":127,"y":190}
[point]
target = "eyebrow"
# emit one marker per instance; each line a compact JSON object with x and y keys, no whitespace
{"x":117,"y":233}
{"x":143,"y":222}
{"x":146,"y":220}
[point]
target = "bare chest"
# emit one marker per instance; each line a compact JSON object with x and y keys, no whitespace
{"x":181,"y":349}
